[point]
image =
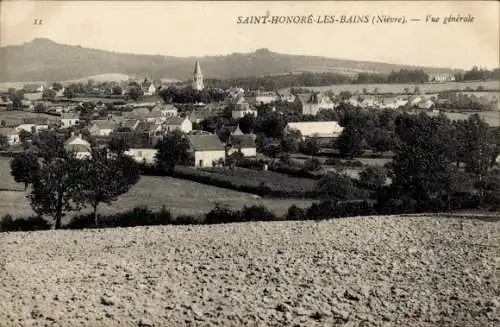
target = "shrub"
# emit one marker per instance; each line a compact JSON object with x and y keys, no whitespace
{"x":322,"y":210}
{"x":8,"y":224}
{"x":295,"y":213}
{"x":188,"y":220}
{"x":139,"y":216}
{"x":82,"y":221}
{"x":373,"y":177}
{"x":354,"y":208}
{"x":312,"y":164}
{"x":401,"y":205}
{"x":257,"y":213}
{"x":336,"y":186}
{"x":221,"y":215}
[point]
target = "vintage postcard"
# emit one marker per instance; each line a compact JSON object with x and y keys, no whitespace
{"x":249,"y":163}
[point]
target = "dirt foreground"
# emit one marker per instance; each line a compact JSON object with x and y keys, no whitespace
{"x":385,"y":271}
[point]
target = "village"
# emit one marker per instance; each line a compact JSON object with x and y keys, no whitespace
{"x":133,"y":107}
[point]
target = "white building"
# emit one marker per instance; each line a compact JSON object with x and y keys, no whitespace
{"x":242,"y":142}
{"x":69,"y":120}
{"x":265,"y":97}
{"x":328,"y":129}
{"x":142,"y":155}
{"x":242,"y":108}
{"x":31,"y":128}
{"x":11,"y":134}
{"x":207,"y":150}
{"x":314,"y":102}
{"x":178,"y":123}
{"x":102,"y":127}
{"x":78,"y":145}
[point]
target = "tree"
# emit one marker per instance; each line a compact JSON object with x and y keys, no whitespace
{"x":57,"y":86}
{"x":247,"y":124}
{"x":422,"y":165}
{"x":57,"y":187}
{"x":271,"y":147}
{"x":310,"y":147}
{"x":24,"y":168}
{"x":350,"y":141}
{"x":476,"y":148}
{"x":373,"y":177}
{"x":48,"y":145}
{"x":172,"y":150}
{"x":69,"y":92}
{"x":40,"y":107}
{"x":49,"y":94}
{"x":335,"y":186}
{"x":24,"y":136}
{"x":135,"y":93}
{"x":116,"y":90}
{"x":105,"y":178}
{"x":291,"y":141}
{"x":118,"y":145}
{"x":16,"y":97}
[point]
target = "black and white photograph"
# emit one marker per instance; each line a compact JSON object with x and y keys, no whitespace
{"x":249,"y":163}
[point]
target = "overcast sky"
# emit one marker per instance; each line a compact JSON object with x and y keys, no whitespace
{"x":202,"y":28}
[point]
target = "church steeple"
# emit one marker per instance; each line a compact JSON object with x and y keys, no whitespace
{"x":197,"y":77}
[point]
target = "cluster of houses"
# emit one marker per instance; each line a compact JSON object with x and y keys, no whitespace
{"x":207,"y":149}
{"x":312,"y":103}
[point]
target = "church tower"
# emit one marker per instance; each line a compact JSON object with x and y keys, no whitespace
{"x":197,"y":77}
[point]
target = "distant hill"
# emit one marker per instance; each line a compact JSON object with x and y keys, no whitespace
{"x":45,"y":60}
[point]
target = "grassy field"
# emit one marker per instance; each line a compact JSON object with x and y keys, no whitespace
{"x":180,"y":196}
{"x":399,"y":88}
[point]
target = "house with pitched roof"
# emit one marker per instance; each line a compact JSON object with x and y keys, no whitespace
{"x":178,"y":123}
{"x":207,"y":150}
{"x":11,"y":134}
{"x":312,"y":103}
{"x":149,"y":128}
{"x":265,"y":97}
{"x":34,"y":88}
{"x":141,"y":149}
{"x":241,"y":108}
{"x":69,"y":119}
{"x":129,"y":123}
{"x":198,"y":116}
{"x":425,"y":104}
{"x":102,"y":127}
{"x":78,"y":145}
{"x":165,"y":110}
{"x":287,"y":96}
{"x":244,"y":143}
{"x":316,"y":129}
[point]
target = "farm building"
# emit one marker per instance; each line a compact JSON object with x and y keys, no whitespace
{"x":207,"y":150}
{"x":323,"y":129}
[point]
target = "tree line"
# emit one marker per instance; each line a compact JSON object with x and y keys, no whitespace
{"x":478,"y":74}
